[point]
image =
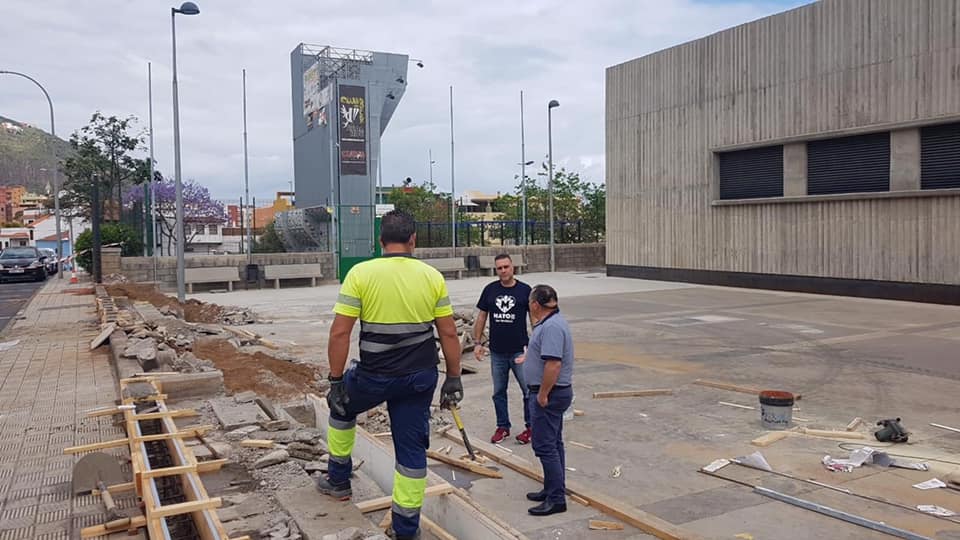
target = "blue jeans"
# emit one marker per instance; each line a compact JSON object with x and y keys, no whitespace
{"x":500,"y":367}
{"x":408,"y":400}
{"x":548,"y":441}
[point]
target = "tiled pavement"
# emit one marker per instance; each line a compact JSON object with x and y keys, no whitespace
{"x":47,"y":382}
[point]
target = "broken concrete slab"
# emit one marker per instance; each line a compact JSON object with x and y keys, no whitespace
{"x":273,"y":458}
{"x":308,"y":435}
{"x":352,"y":533}
{"x":233,"y":415}
{"x":241,"y":433}
{"x":245,"y":397}
{"x":247,"y":527}
{"x":103,"y":336}
{"x":317,"y":515}
{"x":275,"y":425}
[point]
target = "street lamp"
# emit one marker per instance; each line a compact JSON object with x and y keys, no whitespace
{"x":523,"y":195}
{"x":56,"y":186}
{"x":550,"y":106}
{"x":432,"y":161}
{"x":187,"y":8}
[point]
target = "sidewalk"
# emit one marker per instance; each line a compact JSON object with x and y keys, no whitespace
{"x":47,"y":381}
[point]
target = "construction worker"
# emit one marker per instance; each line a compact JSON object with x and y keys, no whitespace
{"x":506,"y":303}
{"x":398,"y":300}
{"x":548,"y":369}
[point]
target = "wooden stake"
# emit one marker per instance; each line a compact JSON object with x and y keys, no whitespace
{"x":833,"y":434}
{"x":737,"y":405}
{"x":633,"y":393}
{"x":581,"y":445}
{"x":735,"y":387}
{"x":597,"y":525}
{"x":102,"y":530}
{"x":578,"y":412}
{"x":854,"y":424}
{"x":464,"y":464}
{"x":770,"y":438}
{"x":948,"y":428}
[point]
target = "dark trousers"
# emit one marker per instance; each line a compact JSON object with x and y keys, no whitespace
{"x":408,"y":400}
{"x":547,"y":425}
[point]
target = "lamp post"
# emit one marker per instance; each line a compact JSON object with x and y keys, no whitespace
{"x":430,"y":158}
{"x":187,"y":8}
{"x":523,"y":176}
{"x":246,"y":172}
{"x":56,"y":183}
{"x":453,"y":184}
{"x":550,"y":106}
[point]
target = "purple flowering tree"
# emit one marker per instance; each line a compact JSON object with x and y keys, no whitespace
{"x":198,"y":208}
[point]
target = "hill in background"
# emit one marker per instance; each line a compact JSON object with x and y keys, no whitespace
{"x":24,"y":152}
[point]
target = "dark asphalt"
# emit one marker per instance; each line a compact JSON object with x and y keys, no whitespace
{"x":13,"y":298}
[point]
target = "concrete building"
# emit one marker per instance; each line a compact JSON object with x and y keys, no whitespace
{"x":815,"y":150}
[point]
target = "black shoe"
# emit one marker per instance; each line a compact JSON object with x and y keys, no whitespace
{"x":537,"y":496}
{"x":342,"y":492}
{"x":547,"y":508}
{"x":393,"y":534}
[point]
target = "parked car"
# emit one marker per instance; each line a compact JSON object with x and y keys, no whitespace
{"x":23,"y":263}
{"x":51,"y":260}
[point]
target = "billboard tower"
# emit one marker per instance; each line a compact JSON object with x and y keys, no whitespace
{"x":342,"y":101}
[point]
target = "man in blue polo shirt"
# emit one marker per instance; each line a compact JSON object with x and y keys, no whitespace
{"x":548,"y":370}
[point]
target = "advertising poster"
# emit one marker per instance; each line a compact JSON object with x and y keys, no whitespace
{"x":353,"y":130}
{"x":311,"y":96}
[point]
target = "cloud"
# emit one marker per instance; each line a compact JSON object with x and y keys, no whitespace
{"x":95,"y":59}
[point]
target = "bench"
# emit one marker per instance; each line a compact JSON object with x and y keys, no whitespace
{"x":276,"y":272}
{"x":487,"y":262}
{"x":216,"y":274}
{"x":448,"y":265}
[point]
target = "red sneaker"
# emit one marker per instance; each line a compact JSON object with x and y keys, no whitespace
{"x":524,"y":438}
{"x":499,"y":435}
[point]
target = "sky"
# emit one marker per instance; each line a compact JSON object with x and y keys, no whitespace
{"x":93,"y":56}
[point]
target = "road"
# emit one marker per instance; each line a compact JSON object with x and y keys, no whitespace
{"x":13,"y":297}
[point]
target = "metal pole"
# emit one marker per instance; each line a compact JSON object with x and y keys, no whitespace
{"x":523,"y":177}
{"x":181,"y":241}
{"x":56,"y":186}
{"x":246,"y":169}
{"x":553,"y":264}
{"x":430,"y":157}
{"x":95,"y":251}
{"x":153,"y":185}
{"x":453,"y":183}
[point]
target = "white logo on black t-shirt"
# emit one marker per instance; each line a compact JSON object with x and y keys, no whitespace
{"x":505,"y":303}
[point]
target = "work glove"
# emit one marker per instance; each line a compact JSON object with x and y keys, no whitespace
{"x":337,"y":398}
{"x":451,"y":393}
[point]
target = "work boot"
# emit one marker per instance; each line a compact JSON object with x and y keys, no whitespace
{"x":525,"y":436}
{"x":499,"y":435}
{"x":341,"y":492}
{"x":393,"y":534}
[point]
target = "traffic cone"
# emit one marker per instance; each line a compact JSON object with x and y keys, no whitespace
{"x":73,"y":277}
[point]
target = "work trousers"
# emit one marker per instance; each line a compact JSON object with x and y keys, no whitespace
{"x":547,"y":425}
{"x":408,"y":400}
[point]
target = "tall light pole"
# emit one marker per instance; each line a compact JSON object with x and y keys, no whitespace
{"x":187,"y":8}
{"x":523,"y":177}
{"x":453,"y":184}
{"x":246,"y":171}
{"x":550,"y":106}
{"x":153,"y":185}
{"x":430,"y":158}
{"x":56,"y":183}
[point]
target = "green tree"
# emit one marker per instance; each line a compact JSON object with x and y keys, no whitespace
{"x":269,"y":241}
{"x":574,"y":199}
{"x":104,"y":149}
{"x":422,"y":202}
{"x":110,"y":233}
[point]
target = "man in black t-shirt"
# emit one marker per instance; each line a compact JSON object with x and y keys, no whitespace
{"x":506,"y":303}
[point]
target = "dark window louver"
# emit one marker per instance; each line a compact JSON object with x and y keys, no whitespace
{"x":940,"y":157}
{"x":752,"y":174}
{"x":858,"y":164}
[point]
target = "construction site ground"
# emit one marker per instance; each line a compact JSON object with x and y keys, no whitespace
{"x":847,"y":357}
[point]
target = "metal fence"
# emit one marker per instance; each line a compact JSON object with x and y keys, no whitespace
{"x":503,"y":233}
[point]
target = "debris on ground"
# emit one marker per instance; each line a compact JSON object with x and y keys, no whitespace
{"x":191,"y":311}
{"x":111,"y":279}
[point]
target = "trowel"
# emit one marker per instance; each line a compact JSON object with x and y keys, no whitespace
{"x":96,"y":471}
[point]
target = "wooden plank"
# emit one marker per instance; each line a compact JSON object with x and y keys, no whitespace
{"x":832,"y":434}
{"x":598,"y":525}
{"x":581,"y":445}
{"x":136,"y":522}
{"x":110,"y":411}
{"x":383,"y":503}
{"x":464,"y":498}
{"x":854,"y":424}
{"x":609,"y":505}
{"x":182,"y":413}
{"x":438,"y":531}
{"x":948,"y":428}
{"x":182,"y":434}
{"x":737,"y":405}
{"x":257,"y":443}
{"x":578,"y":412}
{"x":464,"y":464}
{"x":116,"y":488}
{"x":735,"y":387}
{"x":633,"y":393}
{"x":579,"y":499}
{"x":212,"y":465}
{"x":168,"y":471}
{"x":141,"y":399}
{"x":770,"y":438}
{"x":103,"y":336}
{"x":96,"y":446}
{"x":187,"y":507}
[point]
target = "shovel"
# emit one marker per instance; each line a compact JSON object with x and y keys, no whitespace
{"x":96,"y":471}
